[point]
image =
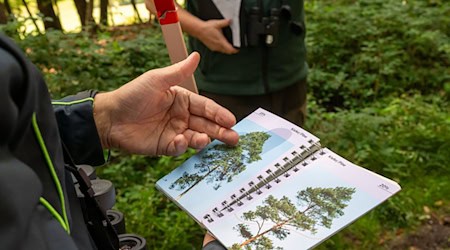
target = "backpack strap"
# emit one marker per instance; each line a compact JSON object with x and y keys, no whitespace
{"x":97,"y":222}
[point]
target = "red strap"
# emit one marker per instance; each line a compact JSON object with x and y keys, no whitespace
{"x":166,"y":10}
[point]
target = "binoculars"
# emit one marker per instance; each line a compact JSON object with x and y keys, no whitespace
{"x":265,"y":28}
{"x":105,"y":196}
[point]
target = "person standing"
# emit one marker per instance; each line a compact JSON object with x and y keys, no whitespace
{"x":268,"y":70}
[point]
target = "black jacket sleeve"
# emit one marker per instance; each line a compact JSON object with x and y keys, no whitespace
{"x":77,"y":129}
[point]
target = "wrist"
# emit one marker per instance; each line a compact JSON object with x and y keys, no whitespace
{"x":198,"y":30}
{"x":102,"y":116}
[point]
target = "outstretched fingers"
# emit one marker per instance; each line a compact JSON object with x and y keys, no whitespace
{"x":189,"y":138}
{"x":177,"y":147}
{"x":196,"y":140}
{"x":209,"y":117}
{"x":207,"y":108}
{"x":213,"y":130}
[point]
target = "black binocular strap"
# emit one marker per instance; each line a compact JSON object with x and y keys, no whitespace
{"x":96,"y":220}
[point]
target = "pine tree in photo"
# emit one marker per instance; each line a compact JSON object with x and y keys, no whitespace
{"x":222,"y":163}
{"x":318,"y":207}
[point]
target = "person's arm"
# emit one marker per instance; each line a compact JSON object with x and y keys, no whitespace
{"x":208,"y":32}
{"x":151,"y":115}
{"x":74,"y":115}
{"x":146,"y":116}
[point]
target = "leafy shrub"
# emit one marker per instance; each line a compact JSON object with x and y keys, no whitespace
{"x":406,"y":139}
{"x":369,"y":49}
{"x":73,"y":62}
{"x":392,"y":134}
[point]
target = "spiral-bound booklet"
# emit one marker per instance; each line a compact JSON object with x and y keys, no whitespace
{"x":277,"y":189}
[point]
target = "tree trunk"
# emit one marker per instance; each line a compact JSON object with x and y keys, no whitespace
{"x":193,"y":185}
{"x":279,"y":225}
{"x":133,"y":3}
{"x":31,"y":16}
{"x":81,"y":6}
{"x":104,"y":12}
{"x":8,"y":7}
{"x":89,"y":17}
{"x":46,"y":8}
{"x":3,"y":14}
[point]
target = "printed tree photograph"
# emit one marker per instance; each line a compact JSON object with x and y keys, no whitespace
{"x":221,"y":163}
{"x":277,"y":218}
{"x":303,"y":207}
{"x":218,"y":171}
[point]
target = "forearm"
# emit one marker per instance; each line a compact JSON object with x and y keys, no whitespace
{"x":209,"y":32}
{"x":190,"y":23}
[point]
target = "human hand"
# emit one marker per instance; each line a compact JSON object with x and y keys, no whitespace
{"x":152,"y":116}
{"x":208,"y":238}
{"x":210,"y":243}
{"x":210,"y":33}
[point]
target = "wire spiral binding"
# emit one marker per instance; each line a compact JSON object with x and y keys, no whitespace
{"x":272,"y":176}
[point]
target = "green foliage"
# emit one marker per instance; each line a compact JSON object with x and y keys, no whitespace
{"x":105,"y":61}
{"x":365,"y":50}
{"x":363,"y":56}
{"x":393,"y":136}
{"x":406,"y":139}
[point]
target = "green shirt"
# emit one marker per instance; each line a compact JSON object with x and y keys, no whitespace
{"x":254,"y":70}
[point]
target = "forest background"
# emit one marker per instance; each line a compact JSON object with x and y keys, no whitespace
{"x":379,"y":88}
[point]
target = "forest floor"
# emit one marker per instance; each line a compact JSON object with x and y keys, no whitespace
{"x":433,"y":233}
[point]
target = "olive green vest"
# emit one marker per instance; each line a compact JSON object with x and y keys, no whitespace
{"x":254,"y":70}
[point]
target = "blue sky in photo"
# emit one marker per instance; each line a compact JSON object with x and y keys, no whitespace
{"x":200,"y":197}
{"x":314,"y":175}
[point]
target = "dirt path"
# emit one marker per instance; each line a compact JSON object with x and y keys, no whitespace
{"x":433,"y":234}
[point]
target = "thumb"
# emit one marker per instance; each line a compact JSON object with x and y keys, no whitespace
{"x":222,"y":23}
{"x":176,"y":73}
